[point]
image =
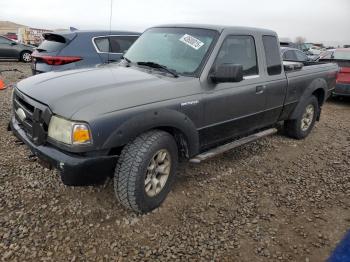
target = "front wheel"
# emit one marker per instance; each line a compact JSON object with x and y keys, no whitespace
{"x":301,"y":127}
{"x":26,"y":57}
{"x":145,"y":171}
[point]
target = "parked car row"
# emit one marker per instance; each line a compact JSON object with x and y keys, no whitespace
{"x":293,"y":54}
{"x":342,"y":58}
{"x":339,"y":56}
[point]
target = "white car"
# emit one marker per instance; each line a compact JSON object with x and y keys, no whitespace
{"x":315,"y":50}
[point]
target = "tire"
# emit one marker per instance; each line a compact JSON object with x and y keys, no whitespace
{"x":138,"y":164}
{"x":301,"y":127}
{"x":26,"y":57}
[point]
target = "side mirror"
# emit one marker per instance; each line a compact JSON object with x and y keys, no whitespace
{"x":226,"y":73}
{"x":292,"y":66}
{"x":13,"y":43}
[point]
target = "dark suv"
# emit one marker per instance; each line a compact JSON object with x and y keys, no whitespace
{"x":72,"y":49}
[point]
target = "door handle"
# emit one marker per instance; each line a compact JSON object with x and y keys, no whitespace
{"x":260,"y":89}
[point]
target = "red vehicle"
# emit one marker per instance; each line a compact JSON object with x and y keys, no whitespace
{"x":12,"y":36}
{"x":342,"y":58}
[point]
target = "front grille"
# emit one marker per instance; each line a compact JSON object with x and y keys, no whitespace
{"x":32,"y":117}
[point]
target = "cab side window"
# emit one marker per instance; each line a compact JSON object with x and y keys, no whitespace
{"x":239,"y":50}
{"x":272,"y":54}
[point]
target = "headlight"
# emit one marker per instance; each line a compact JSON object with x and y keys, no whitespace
{"x":69,"y":132}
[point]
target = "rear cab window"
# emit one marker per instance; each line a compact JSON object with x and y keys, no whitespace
{"x":272,"y":55}
{"x":114,"y":44}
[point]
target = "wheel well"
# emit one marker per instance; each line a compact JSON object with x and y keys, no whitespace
{"x":27,"y":51}
{"x":180,"y":139}
{"x":320,"y":95}
{"x":178,"y":135}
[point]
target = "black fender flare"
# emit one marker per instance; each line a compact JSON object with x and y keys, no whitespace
{"x":317,"y":84}
{"x":153,"y":119}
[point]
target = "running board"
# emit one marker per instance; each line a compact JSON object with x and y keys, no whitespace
{"x":221,"y":149}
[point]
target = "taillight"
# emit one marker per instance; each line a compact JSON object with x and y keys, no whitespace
{"x":344,"y":70}
{"x":337,"y":78}
{"x":343,"y":76}
{"x":56,"y":60}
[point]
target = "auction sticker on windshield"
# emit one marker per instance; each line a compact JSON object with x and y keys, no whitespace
{"x":191,"y":41}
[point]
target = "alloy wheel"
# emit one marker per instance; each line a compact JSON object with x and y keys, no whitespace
{"x":308,"y":117}
{"x":158,"y":171}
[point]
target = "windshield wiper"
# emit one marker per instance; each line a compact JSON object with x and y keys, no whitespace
{"x":156,"y":65}
{"x":126,"y":59}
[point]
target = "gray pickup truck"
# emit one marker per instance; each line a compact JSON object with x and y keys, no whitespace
{"x":180,"y":92}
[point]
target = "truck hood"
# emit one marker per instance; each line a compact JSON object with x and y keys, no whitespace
{"x":85,"y":93}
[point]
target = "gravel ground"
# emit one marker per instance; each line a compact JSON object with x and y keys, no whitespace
{"x":277,"y":199}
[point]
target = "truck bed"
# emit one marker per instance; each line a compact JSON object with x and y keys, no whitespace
{"x":303,"y":76}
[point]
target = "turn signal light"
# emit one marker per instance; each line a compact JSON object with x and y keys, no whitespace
{"x":81,"y":134}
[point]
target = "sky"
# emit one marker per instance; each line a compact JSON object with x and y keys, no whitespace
{"x":318,"y":21}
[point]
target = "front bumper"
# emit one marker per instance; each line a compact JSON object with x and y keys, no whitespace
{"x":342,"y":90}
{"x":76,"y":170}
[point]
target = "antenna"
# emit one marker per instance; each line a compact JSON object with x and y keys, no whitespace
{"x":110,"y":31}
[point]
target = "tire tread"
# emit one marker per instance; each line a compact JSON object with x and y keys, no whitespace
{"x":128,"y":165}
{"x":292,"y":126}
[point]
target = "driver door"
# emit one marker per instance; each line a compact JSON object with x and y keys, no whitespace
{"x":235,"y":109}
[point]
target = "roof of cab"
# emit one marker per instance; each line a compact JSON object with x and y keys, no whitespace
{"x":220,"y":28}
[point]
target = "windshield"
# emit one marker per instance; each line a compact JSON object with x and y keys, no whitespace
{"x":179,"y":49}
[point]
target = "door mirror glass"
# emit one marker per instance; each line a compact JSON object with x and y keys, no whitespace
{"x":292,"y":66}
{"x":225,"y":73}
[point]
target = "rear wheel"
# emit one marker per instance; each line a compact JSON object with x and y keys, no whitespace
{"x":26,"y":56}
{"x":145,"y":171}
{"x":301,"y":127}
